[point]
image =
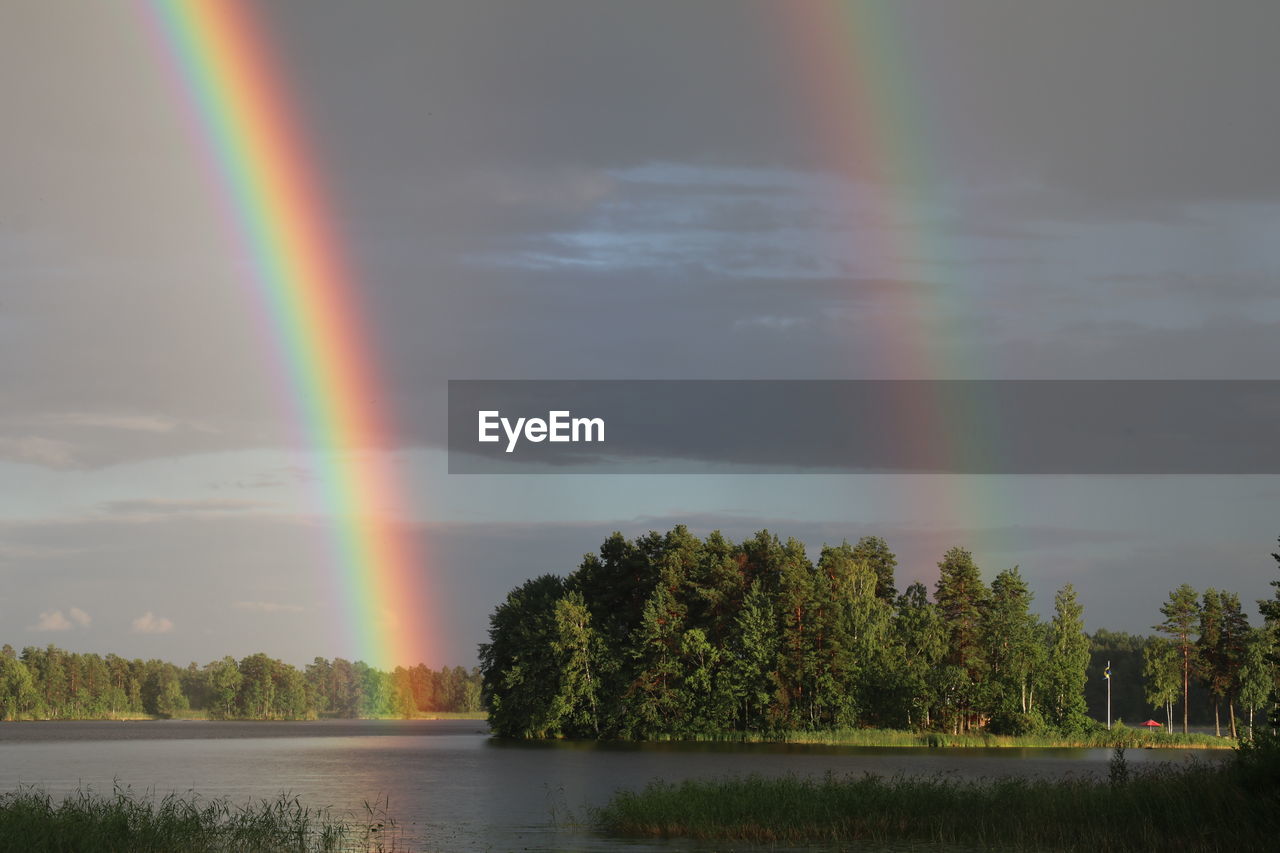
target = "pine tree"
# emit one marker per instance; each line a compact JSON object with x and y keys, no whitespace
{"x":1207,"y":665}
{"x":653,"y":699}
{"x":755,"y":655}
{"x":1270,"y":608}
{"x":875,"y":553}
{"x":798,"y":608}
{"x":1067,"y":663}
{"x":1181,"y":616}
{"x":961,"y":595}
{"x":1231,"y":649}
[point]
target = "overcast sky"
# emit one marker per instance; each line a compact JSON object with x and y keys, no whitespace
{"x":620,"y":190}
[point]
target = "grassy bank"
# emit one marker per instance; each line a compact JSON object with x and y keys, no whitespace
{"x":1201,"y":807}
{"x":31,"y":821}
{"x":1102,"y":739}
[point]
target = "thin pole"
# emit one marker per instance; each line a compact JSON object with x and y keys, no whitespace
{"x":1108,"y":695}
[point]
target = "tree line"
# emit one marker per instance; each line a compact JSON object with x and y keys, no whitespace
{"x":1208,"y":640}
{"x":672,"y":635}
{"x":51,"y":683}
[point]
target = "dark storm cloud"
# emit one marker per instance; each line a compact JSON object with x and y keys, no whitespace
{"x":1132,"y":102}
{"x":636,"y":190}
{"x":1213,"y":349}
{"x":1127,"y":103}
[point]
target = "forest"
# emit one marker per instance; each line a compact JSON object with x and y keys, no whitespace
{"x":52,"y":684}
{"x":669,"y":635}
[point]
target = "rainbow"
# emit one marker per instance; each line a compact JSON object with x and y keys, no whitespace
{"x":862,"y":84}
{"x":257,"y":149}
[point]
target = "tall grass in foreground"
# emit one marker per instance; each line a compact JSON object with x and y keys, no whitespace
{"x":1194,"y":807}
{"x":31,"y":821}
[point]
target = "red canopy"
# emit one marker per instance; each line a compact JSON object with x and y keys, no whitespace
{"x":1151,"y":724}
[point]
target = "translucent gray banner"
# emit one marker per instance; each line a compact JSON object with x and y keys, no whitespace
{"x":843,"y":426}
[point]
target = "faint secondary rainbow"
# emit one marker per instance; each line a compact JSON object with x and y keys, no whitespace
{"x":862,"y":84}
{"x":254,"y":139}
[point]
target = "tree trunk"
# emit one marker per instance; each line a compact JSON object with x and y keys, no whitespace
{"x":1217,"y":724}
{"x":1186,"y":683}
{"x":1231,"y":710}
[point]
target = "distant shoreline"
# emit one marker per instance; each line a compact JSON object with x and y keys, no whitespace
{"x":869,"y":738}
{"x":1120,"y":736}
{"x":203,"y":718}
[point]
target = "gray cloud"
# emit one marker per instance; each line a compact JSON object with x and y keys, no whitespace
{"x":147,"y":507}
{"x":268,"y":607}
{"x":587,"y":190}
{"x":581,"y":189}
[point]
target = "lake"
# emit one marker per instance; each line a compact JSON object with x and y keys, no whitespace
{"x":451,"y":787}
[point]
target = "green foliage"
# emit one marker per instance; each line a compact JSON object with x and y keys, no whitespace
{"x":1258,"y":758}
{"x":18,"y":695}
{"x":579,"y":655}
{"x":961,"y":597}
{"x":754,"y":649}
{"x":1258,"y":673}
{"x":873,"y":552}
{"x":520,"y":667}
{"x":31,"y":821}
{"x":1162,"y":674}
{"x":1181,"y":617}
{"x":921,"y":636}
{"x":1191,"y":807}
{"x":1013,"y":653}
{"x":1270,"y":608}
{"x":671,"y":636}
{"x":51,"y":683}
{"x":1065,"y":670}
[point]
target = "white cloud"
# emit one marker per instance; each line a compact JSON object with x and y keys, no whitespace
{"x":149,"y":623}
{"x":80,"y":617}
{"x":267,"y":607}
{"x":52,"y":620}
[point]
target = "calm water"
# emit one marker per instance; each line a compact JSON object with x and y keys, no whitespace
{"x":450,"y":786}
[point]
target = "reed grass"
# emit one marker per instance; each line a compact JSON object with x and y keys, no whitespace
{"x":1193,"y":807}
{"x":33,"y":821}
{"x":1119,"y":736}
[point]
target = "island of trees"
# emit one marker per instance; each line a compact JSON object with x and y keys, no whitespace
{"x":669,"y":635}
{"x":52,"y":684}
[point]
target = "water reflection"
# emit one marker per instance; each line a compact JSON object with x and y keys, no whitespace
{"x":449,"y":785}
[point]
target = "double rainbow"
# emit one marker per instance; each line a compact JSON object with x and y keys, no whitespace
{"x":855,"y":77}
{"x":255,"y":143}
{"x":863,"y":84}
